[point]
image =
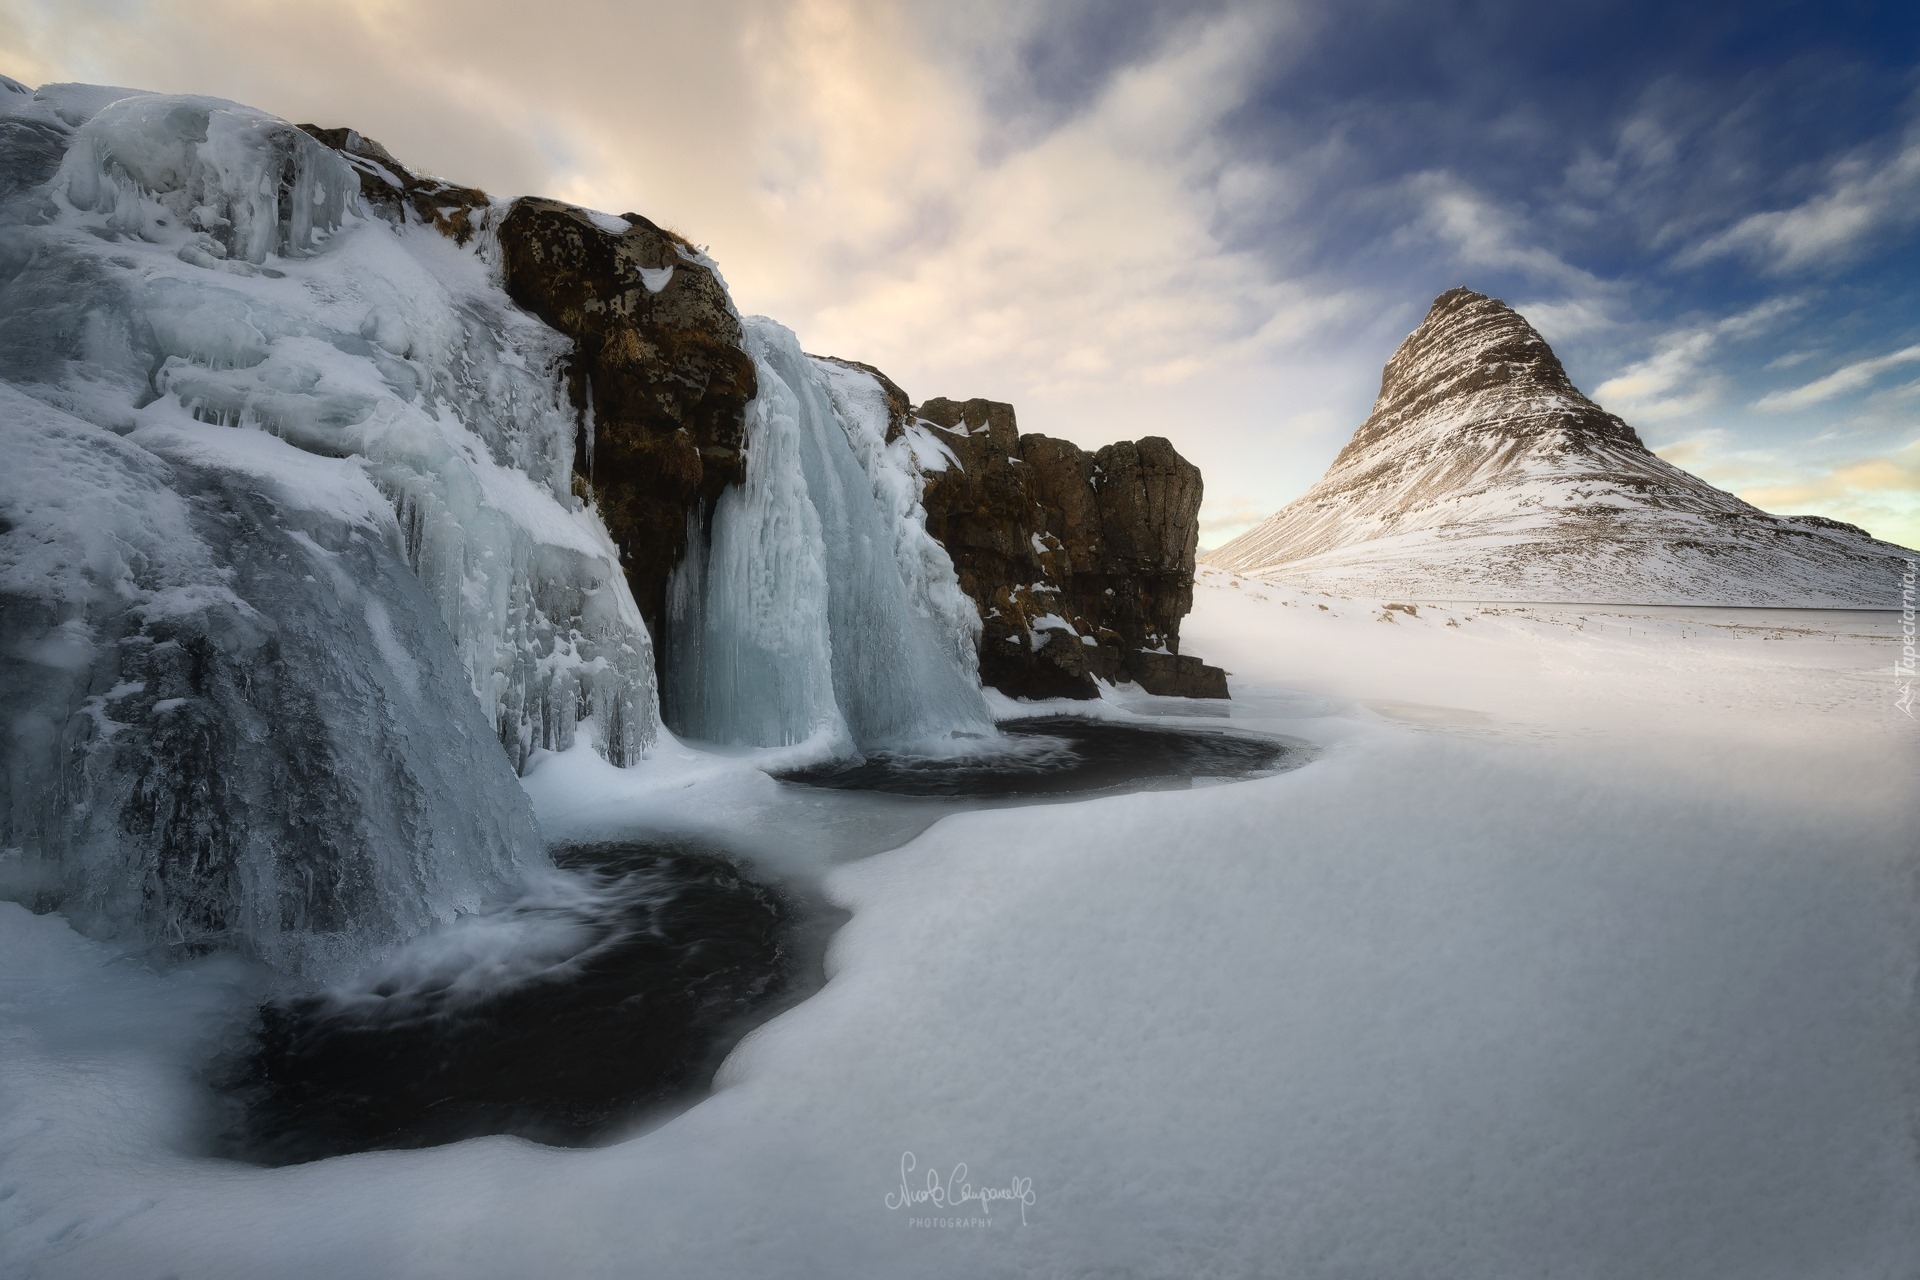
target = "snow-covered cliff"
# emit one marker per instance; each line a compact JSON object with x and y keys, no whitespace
{"x":1483,"y":472}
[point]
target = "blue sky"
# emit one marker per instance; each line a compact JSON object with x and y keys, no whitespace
{"x":1211,"y":221}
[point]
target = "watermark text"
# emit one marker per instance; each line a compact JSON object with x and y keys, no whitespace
{"x":1903,"y":668}
{"x":955,"y":1192}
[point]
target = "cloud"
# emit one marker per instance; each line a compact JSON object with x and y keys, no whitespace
{"x":1849,"y":377}
{"x":1560,"y":319}
{"x":1678,"y":378}
{"x":1086,"y":255}
{"x":1695,"y":452}
{"x":1862,"y":203}
{"x":1483,"y":234}
{"x":1880,"y":493}
{"x":1228,"y":517}
{"x":1877,"y":489}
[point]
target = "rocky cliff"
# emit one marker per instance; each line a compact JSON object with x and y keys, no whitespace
{"x":1484,"y":473}
{"x":658,"y":375}
{"x":1081,"y":564}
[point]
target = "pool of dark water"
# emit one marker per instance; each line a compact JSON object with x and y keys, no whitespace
{"x":593,"y":1009}
{"x":1062,"y":756}
{"x":609,"y":997}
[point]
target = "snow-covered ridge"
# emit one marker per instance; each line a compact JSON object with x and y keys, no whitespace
{"x":1482,"y":472}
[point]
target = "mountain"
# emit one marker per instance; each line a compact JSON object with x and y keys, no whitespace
{"x":1484,"y":473}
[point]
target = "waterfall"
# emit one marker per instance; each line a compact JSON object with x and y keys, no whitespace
{"x":815,"y":606}
{"x":292,"y":574}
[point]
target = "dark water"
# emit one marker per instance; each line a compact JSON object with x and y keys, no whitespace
{"x":1064,"y":755}
{"x":673,"y":955}
{"x":576,"y":1015}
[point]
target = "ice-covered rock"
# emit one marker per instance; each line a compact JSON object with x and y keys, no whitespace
{"x":660,"y":375}
{"x":298,"y":550}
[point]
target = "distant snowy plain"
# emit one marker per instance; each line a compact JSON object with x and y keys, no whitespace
{"x":1587,"y":947}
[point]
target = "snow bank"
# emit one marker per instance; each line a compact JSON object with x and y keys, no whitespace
{"x":1510,"y":991}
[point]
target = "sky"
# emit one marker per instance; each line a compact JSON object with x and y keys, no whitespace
{"x":1211,"y":220}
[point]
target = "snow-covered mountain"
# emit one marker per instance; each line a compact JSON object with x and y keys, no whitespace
{"x":1483,"y":473}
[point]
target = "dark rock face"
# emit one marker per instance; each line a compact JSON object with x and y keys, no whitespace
{"x":659,"y":374}
{"x":1081,"y":564}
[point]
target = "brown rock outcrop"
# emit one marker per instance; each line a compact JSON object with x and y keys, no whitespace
{"x":1081,"y":563}
{"x":393,"y":191}
{"x":659,"y":373}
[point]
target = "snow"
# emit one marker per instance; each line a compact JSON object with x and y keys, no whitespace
{"x":1585,"y":948}
{"x":928,"y":451}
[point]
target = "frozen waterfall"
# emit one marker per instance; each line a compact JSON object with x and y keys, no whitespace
{"x":288,"y":543}
{"x":816,"y":606}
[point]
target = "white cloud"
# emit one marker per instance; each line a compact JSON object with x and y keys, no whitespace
{"x":1483,"y":234}
{"x":1862,"y":202}
{"x":1672,"y":382}
{"x":1849,"y":377}
{"x":1678,"y":379}
{"x":1563,"y":318}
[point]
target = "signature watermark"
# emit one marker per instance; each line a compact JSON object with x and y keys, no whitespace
{"x":1903,"y":668}
{"x":955,"y":1193}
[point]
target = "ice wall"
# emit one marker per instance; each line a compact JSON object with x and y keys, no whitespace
{"x":816,"y":606}
{"x":300,"y":553}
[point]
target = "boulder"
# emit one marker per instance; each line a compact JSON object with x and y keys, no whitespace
{"x":1081,"y":563}
{"x":659,"y":374}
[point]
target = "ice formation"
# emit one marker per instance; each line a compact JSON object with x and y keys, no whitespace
{"x":816,"y":606}
{"x":289,"y":546}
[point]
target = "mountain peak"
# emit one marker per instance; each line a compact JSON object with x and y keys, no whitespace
{"x":1483,"y":472}
{"x":1477,"y":365}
